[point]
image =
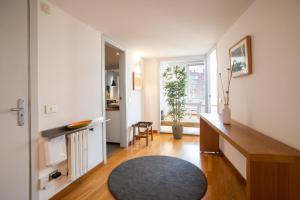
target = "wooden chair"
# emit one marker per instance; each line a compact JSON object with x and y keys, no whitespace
{"x":147,"y":126}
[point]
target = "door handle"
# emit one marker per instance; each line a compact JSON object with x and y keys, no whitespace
{"x":16,"y":109}
{"x":20,"y":111}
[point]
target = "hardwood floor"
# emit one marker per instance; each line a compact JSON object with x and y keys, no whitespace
{"x":223,"y":182}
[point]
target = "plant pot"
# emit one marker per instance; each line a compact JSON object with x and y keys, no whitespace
{"x":177,"y":131}
{"x":226,"y":114}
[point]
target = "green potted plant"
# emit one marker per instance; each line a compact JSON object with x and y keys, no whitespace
{"x":174,"y":88}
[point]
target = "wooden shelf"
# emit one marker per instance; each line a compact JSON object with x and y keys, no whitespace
{"x":63,"y":130}
{"x":273,"y":168}
{"x":251,"y":143}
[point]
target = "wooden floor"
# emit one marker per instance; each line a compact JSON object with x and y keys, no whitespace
{"x":223,"y":182}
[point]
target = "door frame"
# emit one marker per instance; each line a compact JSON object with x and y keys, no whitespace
{"x":33,"y":97}
{"x":208,"y":64}
{"x":123,"y":87}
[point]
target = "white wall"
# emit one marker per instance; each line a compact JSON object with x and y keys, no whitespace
{"x":267,"y":100}
{"x":134,"y":63}
{"x":69,"y":64}
{"x":151,"y":92}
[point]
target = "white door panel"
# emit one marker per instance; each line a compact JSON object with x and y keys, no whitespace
{"x":14,"y":139}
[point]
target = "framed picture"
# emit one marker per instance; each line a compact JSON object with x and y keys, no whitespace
{"x":241,"y":57}
{"x":137,"y":81}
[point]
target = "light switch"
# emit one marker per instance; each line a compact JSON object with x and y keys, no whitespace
{"x":51,"y":109}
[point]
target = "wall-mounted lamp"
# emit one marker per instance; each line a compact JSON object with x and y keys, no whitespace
{"x":137,"y":81}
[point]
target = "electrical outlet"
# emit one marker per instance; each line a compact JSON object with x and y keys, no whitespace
{"x":50,"y":109}
{"x":50,"y":175}
{"x":43,"y":182}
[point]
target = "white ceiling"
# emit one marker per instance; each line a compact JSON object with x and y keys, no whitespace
{"x":159,"y":28}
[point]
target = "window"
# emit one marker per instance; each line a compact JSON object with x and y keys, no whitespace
{"x":195,"y":89}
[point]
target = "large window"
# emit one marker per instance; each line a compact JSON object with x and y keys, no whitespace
{"x":201,"y":91}
{"x":195,"y":89}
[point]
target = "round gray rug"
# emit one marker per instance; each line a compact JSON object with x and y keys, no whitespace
{"x":157,"y":178}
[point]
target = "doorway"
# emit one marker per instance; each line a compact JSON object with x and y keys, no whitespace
{"x":114,"y":97}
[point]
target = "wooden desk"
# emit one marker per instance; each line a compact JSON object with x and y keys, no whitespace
{"x":273,"y":168}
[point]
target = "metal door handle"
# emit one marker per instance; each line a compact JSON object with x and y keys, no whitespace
{"x":16,"y":109}
{"x":20,"y":111}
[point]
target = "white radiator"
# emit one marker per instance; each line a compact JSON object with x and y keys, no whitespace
{"x":77,"y":154}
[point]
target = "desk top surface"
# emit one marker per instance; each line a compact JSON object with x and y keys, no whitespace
{"x":250,"y":142}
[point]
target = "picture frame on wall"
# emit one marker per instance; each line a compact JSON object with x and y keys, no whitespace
{"x":241,"y":57}
{"x":137,"y":81}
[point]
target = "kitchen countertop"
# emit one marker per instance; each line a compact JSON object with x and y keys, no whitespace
{"x":112,"y":109}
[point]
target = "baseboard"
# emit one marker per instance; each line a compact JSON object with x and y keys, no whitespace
{"x":75,"y":184}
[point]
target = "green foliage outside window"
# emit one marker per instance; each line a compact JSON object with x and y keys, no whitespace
{"x":175,"y":90}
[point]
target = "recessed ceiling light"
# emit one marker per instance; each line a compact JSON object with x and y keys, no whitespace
{"x":117,"y":53}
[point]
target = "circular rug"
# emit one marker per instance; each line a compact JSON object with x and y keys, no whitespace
{"x":157,"y":178}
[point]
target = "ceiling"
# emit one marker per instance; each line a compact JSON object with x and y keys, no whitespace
{"x":159,"y":28}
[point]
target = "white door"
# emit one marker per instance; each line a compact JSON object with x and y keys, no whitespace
{"x":14,"y":139}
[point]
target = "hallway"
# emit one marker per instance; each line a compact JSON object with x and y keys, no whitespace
{"x":223,"y":182}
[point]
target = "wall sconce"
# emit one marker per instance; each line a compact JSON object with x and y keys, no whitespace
{"x":137,"y":81}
